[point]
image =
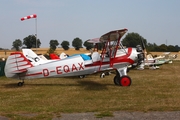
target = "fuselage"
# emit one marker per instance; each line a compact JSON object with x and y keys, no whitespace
{"x":76,"y":65}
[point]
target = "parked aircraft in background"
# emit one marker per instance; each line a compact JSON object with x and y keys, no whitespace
{"x":151,"y":63}
{"x":155,"y":62}
{"x":26,"y":65}
{"x":166,"y":57}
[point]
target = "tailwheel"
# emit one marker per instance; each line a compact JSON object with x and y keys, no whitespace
{"x":125,"y":81}
{"x":20,"y":83}
{"x":82,"y":76}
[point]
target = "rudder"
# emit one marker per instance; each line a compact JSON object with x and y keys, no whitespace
{"x":16,"y":63}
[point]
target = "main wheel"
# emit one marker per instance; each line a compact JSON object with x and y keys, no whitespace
{"x":116,"y":80}
{"x":125,"y":81}
{"x":102,"y":75}
{"x":107,"y":73}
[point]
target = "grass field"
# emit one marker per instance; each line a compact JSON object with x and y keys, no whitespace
{"x":151,"y":90}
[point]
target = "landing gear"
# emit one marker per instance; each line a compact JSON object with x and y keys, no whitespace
{"x":116,"y":80}
{"x":82,"y":76}
{"x":122,"y":81}
{"x":125,"y":81}
{"x":102,"y":75}
{"x":20,"y":83}
{"x":121,"y":77}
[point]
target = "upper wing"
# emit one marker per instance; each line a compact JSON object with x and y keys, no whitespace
{"x":113,"y":35}
{"x":94,"y":40}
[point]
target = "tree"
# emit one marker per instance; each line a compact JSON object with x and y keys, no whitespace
{"x":77,"y":43}
{"x":171,"y":48}
{"x":163,"y":48}
{"x":88,"y":45}
{"x":17,"y":44}
{"x":65,"y":45}
{"x":100,"y":46}
{"x":50,"y":50}
{"x":30,"y":42}
{"x":133,"y":39}
{"x":152,"y":47}
{"x":177,"y":47}
{"x":53,"y":44}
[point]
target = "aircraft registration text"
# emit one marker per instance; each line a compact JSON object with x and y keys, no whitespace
{"x":64,"y":69}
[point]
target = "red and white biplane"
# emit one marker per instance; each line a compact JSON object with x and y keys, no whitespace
{"x":114,"y":56}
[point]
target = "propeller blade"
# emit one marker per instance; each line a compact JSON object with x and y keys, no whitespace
{"x":144,"y":51}
{"x":143,"y":45}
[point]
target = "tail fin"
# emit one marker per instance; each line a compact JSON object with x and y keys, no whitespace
{"x":32,"y":57}
{"x":16,"y":63}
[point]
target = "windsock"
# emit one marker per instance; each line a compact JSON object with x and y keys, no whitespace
{"x":29,"y":17}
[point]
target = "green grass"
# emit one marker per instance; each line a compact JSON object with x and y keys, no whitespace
{"x":151,"y":90}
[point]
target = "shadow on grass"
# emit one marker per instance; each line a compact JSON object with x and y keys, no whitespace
{"x":85,"y":84}
{"x":14,"y":85}
{"x":91,"y":85}
{"x":10,"y":85}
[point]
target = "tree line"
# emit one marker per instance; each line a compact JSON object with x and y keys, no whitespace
{"x":134,"y":39}
{"x":32,"y":42}
{"x":130,"y":40}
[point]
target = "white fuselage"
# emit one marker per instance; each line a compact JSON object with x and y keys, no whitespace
{"x":76,"y":65}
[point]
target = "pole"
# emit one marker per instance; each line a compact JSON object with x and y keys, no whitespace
{"x":36,"y":32}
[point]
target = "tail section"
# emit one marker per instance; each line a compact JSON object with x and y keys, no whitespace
{"x":33,"y":57}
{"x":16,"y":63}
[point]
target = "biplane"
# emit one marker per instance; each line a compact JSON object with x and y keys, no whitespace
{"x":114,"y":56}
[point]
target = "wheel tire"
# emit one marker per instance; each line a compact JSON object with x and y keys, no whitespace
{"x":116,"y":80}
{"x":102,"y":75}
{"x":107,"y":73}
{"x":125,"y":81}
{"x":82,"y":76}
{"x":20,"y":84}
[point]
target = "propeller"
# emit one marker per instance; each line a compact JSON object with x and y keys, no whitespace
{"x":144,"y":50}
{"x":142,"y":54}
{"x":143,"y":45}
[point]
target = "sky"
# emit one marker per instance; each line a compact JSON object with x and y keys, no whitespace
{"x":158,"y":21}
